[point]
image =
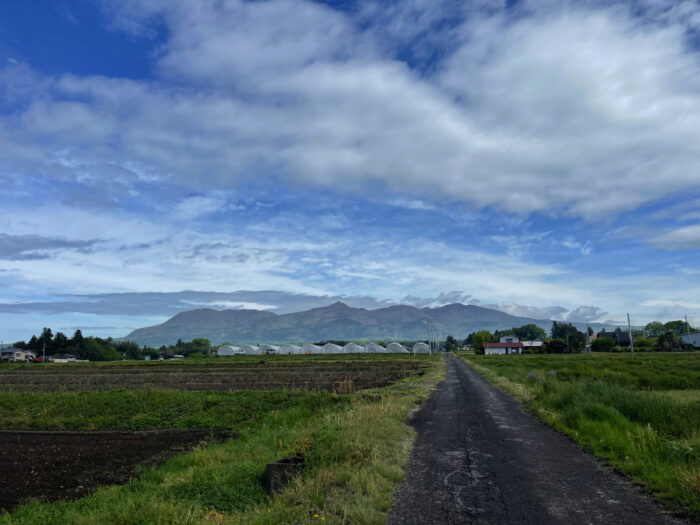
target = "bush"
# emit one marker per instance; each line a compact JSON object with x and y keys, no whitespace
{"x":603,"y":344}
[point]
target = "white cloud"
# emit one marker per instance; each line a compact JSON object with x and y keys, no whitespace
{"x":562,"y":110}
{"x":684,"y":238}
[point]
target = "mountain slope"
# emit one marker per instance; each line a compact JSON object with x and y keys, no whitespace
{"x":336,"y":321}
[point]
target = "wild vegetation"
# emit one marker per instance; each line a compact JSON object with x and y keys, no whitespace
{"x":640,"y":413}
{"x":355,"y":446}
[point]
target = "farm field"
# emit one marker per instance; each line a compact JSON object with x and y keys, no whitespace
{"x":353,"y":443}
{"x":640,"y":413}
{"x":336,"y":373}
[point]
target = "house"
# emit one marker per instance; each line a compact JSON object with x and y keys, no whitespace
{"x":692,"y":338}
{"x":621,"y":338}
{"x":533,"y":344}
{"x":14,"y":355}
{"x":509,"y":344}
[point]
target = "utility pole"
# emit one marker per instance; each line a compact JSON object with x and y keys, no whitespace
{"x":43,"y":355}
{"x":629,"y":328}
{"x":687,"y":329}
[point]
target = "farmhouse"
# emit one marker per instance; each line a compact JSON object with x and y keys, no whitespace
{"x":14,"y":355}
{"x":692,"y":338}
{"x":509,"y":344}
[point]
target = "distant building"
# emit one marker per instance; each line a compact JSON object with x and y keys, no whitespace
{"x":504,"y":347}
{"x":621,"y":338}
{"x":510,"y":339}
{"x":692,"y":338}
{"x":14,"y":355}
{"x":533,"y":344}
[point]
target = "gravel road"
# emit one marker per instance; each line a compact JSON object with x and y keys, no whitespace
{"x":480,"y":458}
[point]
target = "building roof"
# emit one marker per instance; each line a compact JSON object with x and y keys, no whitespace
{"x":503,"y":345}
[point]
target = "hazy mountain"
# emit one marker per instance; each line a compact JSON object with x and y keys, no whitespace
{"x":336,"y":321}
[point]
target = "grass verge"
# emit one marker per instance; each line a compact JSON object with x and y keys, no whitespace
{"x":651,"y":437}
{"x":356,"y":447}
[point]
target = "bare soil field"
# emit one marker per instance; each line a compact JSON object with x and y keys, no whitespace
{"x":68,"y":465}
{"x":336,"y":376}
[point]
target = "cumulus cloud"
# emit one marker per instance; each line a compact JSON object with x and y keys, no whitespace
{"x":560,"y":109}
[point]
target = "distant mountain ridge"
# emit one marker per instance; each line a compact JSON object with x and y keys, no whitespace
{"x":335,"y":321}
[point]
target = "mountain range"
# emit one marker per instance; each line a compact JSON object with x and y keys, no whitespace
{"x":337,"y":321}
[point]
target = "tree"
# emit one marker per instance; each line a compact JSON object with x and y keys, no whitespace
{"x":470,"y":338}
{"x":602,"y":344}
{"x":46,"y":338}
{"x":566,"y":332}
{"x":60,"y":342}
{"x":478,"y":340}
{"x":33,"y":343}
{"x":669,"y":342}
{"x":451,"y":344}
{"x":589,"y":330}
{"x":678,"y":327}
{"x":530,"y":332}
{"x":654,"y":329}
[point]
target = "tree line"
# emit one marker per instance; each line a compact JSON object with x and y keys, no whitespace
{"x":109,"y":349}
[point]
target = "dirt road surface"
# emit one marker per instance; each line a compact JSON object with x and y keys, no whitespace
{"x":480,"y":458}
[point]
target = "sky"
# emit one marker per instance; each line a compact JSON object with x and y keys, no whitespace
{"x":538,"y":157}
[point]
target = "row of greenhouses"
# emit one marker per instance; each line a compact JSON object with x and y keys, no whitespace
{"x":328,"y":348}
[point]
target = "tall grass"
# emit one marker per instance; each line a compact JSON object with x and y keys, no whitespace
{"x":652,"y":437}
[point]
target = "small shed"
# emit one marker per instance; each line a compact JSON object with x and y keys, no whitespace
{"x":692,"y":338}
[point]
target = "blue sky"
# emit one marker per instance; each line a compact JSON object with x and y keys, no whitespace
{"x":542,"y":158}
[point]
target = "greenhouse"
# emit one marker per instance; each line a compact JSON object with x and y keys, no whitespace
{"x":289,"y":349}
{"x":421,"y":348}
{"x":311,"y":349}
{"x":374,"y":348}
{"x":251,"y":349}
{"x":228,"y":350}
{"x":396,"y":348}
{"x":352,"y":348}
{"x":330,"y":348}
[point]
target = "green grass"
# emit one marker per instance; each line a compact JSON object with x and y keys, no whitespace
{"x":620,"y":408}
{"x":648,"y":371}
{"x":356,"y":447}
{"x":147,"y":409}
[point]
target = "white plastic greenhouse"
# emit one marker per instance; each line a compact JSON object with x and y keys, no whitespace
{"x":396,"y":348}
{"x":310,"y":349}
{"x":352,"y":348}
{"x":421,"y":348}
{"x":251,"y":349}
{"x":374,"y":348}
{"x":289,"y":349}
{"x":227,"y":350}
{"x":330,"y":348}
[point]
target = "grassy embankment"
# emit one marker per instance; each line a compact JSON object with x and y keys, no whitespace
{"x":640,"y":413}
{"x":355,"y":445}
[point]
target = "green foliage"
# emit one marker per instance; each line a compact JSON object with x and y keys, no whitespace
{"x":602,"y":344}
{"x":530,"y":332}
{"x":478,"y":340}
{"x":567,"y":333}
{"x":451,"y":344}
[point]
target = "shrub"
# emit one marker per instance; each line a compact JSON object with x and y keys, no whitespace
{"x":603,"y":344}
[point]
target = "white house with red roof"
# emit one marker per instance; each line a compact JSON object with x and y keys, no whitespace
{"x":509,"y":344}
